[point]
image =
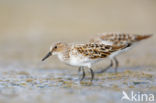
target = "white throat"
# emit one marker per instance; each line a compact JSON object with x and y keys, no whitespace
{"x":60,"y":56}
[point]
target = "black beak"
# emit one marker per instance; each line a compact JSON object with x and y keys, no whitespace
{"x":49,"y":54}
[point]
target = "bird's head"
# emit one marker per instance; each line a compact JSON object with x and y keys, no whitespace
{"x":55,"y":49}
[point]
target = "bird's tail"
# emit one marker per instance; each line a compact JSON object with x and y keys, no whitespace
{"x":142,"y":37}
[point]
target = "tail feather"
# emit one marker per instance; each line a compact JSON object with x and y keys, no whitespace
{"x":142,"y":37}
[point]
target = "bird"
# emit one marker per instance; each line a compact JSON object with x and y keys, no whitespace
{"x":82,"y":55}
{"x":115,"y":38}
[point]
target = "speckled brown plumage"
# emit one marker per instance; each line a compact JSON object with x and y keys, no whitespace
{"x":95,"y":50}
{"x":120,"y":38}
{"x":82,"y":55}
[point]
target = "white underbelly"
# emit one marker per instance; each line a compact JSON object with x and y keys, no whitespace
{"x":82,"y":61}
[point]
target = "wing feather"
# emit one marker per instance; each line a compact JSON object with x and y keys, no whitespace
{"x":94,"y":51}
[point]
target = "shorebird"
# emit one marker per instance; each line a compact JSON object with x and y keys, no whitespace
{"x":83,"y":55}
{"x":118,"y":39}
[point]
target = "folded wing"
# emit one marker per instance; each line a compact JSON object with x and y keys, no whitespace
{"x":95,"y":51}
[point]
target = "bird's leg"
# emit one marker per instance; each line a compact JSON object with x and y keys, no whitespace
{"x":83,"y":73}
{"x":105,"y":69}
{"x":116,"y":64}
{"x":92,"y":74}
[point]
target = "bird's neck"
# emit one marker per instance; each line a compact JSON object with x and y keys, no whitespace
{"x":64,"y":55}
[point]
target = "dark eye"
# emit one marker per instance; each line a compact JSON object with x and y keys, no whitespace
{"x":55,"y":47}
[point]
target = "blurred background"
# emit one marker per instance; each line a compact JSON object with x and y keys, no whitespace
{"x":29,"y":27}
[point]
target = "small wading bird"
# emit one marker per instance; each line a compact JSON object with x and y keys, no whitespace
{"x":83,"y":55}
{"x":118,"y":39}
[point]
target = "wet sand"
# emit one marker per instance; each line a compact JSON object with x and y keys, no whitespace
{"x":40,"y":85}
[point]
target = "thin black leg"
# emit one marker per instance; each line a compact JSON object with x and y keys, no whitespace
{"x":105,"y":69}
{"x":83,"y":73}
{"x":116,"y":65}
{"x":92,"y":74}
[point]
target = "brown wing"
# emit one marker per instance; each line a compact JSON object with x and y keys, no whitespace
{"x":95,"y":51}
{"x":121,"y":38}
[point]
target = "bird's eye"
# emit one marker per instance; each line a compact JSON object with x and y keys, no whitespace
{"x":55,"y":47}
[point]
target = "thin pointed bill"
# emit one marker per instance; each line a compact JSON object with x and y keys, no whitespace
{"x":49,"y":54}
